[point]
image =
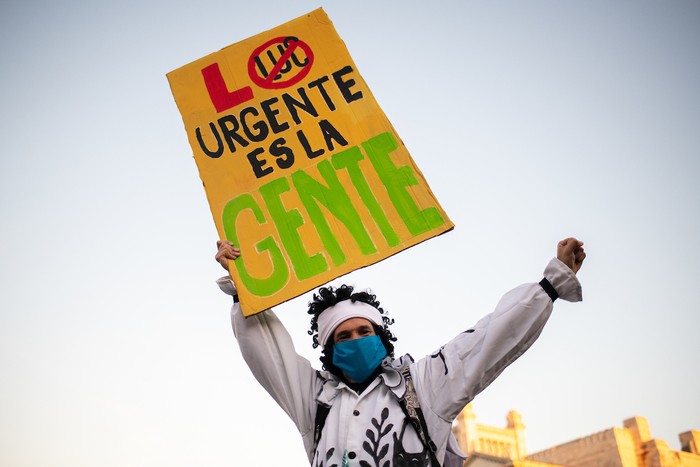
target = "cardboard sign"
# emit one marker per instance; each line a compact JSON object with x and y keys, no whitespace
{"x":301,"y":167}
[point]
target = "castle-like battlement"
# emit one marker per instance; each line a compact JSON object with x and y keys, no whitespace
{"x":628,"y":446}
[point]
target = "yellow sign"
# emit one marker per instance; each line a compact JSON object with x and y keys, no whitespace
{"x":302,"y":169}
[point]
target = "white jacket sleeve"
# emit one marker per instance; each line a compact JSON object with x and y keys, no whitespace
{"x":450,"y":378}
{"x":269,"y":352}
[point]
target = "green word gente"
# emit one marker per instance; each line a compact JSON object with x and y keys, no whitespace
{"x":334,"y":197}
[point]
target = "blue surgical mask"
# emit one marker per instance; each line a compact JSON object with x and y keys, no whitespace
{"x":358,"y":358}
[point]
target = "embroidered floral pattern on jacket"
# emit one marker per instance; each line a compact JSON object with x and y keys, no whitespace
{"x":442,"y":357}
{"x":329,"y":454}
{"x":372,"y":447}
{"x":408,"y":459}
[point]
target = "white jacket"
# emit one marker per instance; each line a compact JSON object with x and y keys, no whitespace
{"x":370,"y":429}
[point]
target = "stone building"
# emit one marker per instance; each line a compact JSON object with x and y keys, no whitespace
{"x":629,"y":446}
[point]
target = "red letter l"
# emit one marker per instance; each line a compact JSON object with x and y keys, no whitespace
{"x":220,"y":96}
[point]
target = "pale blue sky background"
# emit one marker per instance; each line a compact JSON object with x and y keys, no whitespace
{"x":531,"y":120}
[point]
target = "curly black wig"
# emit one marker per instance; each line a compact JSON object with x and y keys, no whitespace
{"x":329,"y":296}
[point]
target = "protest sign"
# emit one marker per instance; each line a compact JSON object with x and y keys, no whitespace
{"x":301,"y":168}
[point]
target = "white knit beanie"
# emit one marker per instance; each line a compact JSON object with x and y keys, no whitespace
{"x":331,"y":317}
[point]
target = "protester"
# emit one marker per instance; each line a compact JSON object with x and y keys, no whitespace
{"x":370,"y":409}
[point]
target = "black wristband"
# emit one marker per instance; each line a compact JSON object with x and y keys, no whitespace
{"x":547,"y":287}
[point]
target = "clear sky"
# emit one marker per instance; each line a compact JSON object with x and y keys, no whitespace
{"x":531,"y":120}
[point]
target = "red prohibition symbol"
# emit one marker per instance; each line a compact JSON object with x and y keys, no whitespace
{"x":276,"y":64}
